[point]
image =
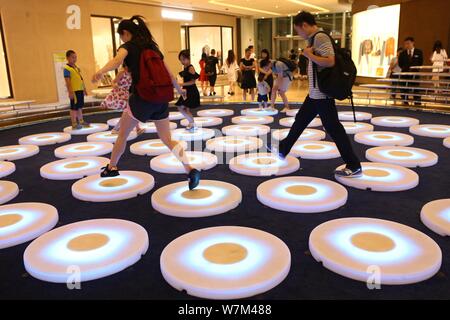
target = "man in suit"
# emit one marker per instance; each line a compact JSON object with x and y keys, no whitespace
{"x":410,"y":57}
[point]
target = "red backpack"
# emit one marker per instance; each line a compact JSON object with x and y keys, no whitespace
{"x":155,"y":84}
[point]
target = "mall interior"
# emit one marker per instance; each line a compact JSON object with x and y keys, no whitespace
{"x":193,"y":197}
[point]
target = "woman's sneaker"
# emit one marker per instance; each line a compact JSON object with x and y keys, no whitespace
{"x":276,"y":151}
{"x":194,"y":179}
{"x":109,"y":172}
{"x":349,"y":173}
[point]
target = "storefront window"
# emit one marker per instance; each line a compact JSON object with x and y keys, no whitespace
{"x":5,"y":85}
{"x":284,"y":26}
{"x":264,"y":34}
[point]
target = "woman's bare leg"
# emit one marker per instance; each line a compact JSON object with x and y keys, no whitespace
{"x":187,"y":114}
{"x":127,"y":124}
{"x":252,"y":92}
{"x":244,"y":94}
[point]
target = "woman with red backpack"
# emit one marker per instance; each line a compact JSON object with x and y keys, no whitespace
{"x":150,"y":92}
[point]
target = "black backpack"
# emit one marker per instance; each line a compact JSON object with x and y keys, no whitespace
{"x":209,"y":66}
{"x":292,"y":66}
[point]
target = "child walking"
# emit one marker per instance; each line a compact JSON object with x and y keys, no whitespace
{"x":263,"y":91}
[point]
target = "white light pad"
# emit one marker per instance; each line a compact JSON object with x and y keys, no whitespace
{"x":234,"y":144}
{"x":259,"y":112}
{"x":252,"y":120}
{"x":403,"y":156}
{"x":152,"y":147}
{"x":8,"y":191}
{"x":108,"y":136}
{"x":73,"y":168}
{"x":436,"y":216}
{"x":315,"y":150}
{"x":208,"y":199}
{"x":384,"y":138}
{"x":225,"y":262}
{"x":86,"y":250}
{"x":263,"y":164}
{"x":83,"y":149}
{"x":368,"y":249}
{"x":112,"y":122}
{"x":215,"y":113}
{"x":246,"y":130}
{"x":203,"y":122}
{"x":394,"y":121}
{"x":381,"y":177}
{"x":128,"y":184}
{"x":307,"y":134}
{"x":45,"y":139}
{"x":446,"y":142}
{"x":175,"y":115}
{"x":168,"y":163}
{"x":22,"y":222}
{"x":197,"y":135}
{"x":292,"y":112}
{"x":16,"y":152}
{"x":348,"y":116}
{"x":431,"y":130}
{"x":150,"y":127}
{"x":6,"y":168}
{"x":94,"y":127}
{"x":356,"y":127}
{"x":289,"y":121}
{"x":301,"y":194}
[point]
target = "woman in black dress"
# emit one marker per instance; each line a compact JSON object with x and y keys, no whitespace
{"x":248,"y":66}
{"x":192,"y":95}
{"x":265,"y":67}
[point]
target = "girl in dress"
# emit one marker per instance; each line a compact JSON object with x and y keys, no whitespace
{"x":230,"y":68}
{"x":203,"y":76}
{"x":248,"y":66}
{"x":439,"y":60}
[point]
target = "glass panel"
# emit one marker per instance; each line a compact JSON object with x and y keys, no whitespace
{"x":103,"y":46}
{"x":284,"y":26}
{"x":5,"y":90}
{"x":227,"y":41}
{"x":282,"y":48}
{"x":200,"y":37}
{"x":183,"y":38}
{"x":264,"y":34}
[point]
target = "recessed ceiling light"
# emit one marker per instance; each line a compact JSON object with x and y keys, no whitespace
{"x":219,"y":3}
{"x":306,"y":4}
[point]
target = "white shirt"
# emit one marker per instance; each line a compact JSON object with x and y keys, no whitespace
{"x":438,"y":60}
{"x":263,"y":88}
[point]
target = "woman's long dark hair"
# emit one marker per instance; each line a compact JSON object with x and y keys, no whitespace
{"x":267,"y":54}
{"x":231,"y":57}
{"x":437,"y":46}
{"x":140,"y":32}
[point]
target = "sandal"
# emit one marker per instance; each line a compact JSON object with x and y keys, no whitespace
{"x":109,"y":172}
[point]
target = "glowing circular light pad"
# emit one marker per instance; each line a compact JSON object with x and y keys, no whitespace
{"x":288,"y":122}
{"x":168,"y":163}
{"x":128,"y":184}
{"x":385,"y":251}
{"x":307,"y":134}
{"x":403,"y":156}
{"x":86,"y":250}
{"x":16,"y":152}
{"x":45,"y":139}
{"x":252,"y":120}
{"x":215,"y":113}
{"x":301,"y":194}
{"x":83,"y":149}
{"x":352,"y":127}
{"x":203,"y":122}
{"x":234,"y":144}
{"x":263,"y":164}
{"x":22,"y":222}
{"x":315,"y":150}
{"x":199,"y":134}
{"x":259,"y":112}
{"x":244,"y":130}
{"x":381,"y":177}
{"x":384,"y":138}
{"x":94,"y":127}
{"x":348,"y":116}
{"x":150,"y":127}
{"x":108,"y":136}
{"x":395,"y":122}
{"x":436,"y":216}
{"x":292,"y":112}
{"x":112,"y":122}
{"x":446,"y":142}
{"x":208,"y":199}
{"x":6,"y":168}
{"x":8,"y":191}
{"x":431,"y":130}
{"x":175,"y":115}
{"x":152,"y":147}
{"x":225,"y":262}
{"x":73,"y":168}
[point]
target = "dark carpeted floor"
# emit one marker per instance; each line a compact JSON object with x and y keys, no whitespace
{"x":307,"y":278}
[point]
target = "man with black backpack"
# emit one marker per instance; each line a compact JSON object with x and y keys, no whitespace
{"x":331,"y":75}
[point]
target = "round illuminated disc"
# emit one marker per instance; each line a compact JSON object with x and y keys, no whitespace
{"x":203,"y":122}
{"x":175,"y":115}
{"x":215,"y":113}
{"x":307,"y":134}
{"x":199,"y":134}
{"x":83,"y":149}
{"x":86,"y":250}
{"x":348,"y":116}
{"x":225,"y":262}
{"x":301,"y":194}
{"x":94,"y":127}
{"x":6,"y":168}
{"x":16,"y":152}
{"x":112,"y":122}
{"x":381,"y":177}
{"x":168,"y":163}
{"x":403,"y":156}
{"x":73,"y":168}
{"x":288,"y":122}
{"x":152,"y":147}
{"x":395,"y":122}
{"x":128,"y":184}
{"x":259,"y":112}
{"x":263,"y":164}
{"x":315,"y":150}
{"x":292,"y":112}
{"x":352,"y":127}
{"x":150,"y":127}
{"x":446,"y":142}
{"x":44,"y":139}
{"x":244,"y":130}
{"x":234,"y":144}
{"x":436,"y":216}
{"x":252,"y":120}
{"x":431,"y":130}
{"x":22,"y":222}
{"x":108,"y":136}
{"x":208,"y":199}
{"x":367,"y":249}
{"x":8,"y":191}
{"x":384,"y":138}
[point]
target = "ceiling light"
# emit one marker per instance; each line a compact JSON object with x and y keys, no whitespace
{"x":176,"y":15}
{"x":303,"y":3}
{"x":242,"y":8}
